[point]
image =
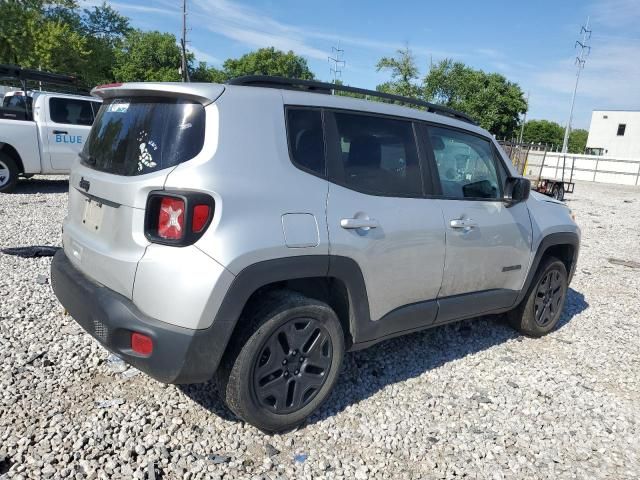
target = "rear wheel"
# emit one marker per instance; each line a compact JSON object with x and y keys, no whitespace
{"x":540,"y":311}
{"x":284,"y":366}
{"x":8,"y":173}
{"x":558,"y":191}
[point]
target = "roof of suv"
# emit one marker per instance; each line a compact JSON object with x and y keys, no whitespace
{"x":299,"y":92}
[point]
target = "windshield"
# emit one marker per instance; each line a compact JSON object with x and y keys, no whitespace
{"x":134,"y":136}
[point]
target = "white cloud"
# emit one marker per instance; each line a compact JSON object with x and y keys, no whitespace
{"x":202,"y":56}
{"x":616,"y":13}
{"x":251,"y":27}
{"x":130,"y":7}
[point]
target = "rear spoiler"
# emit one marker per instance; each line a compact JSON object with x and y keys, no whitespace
{"x":204,"y":93}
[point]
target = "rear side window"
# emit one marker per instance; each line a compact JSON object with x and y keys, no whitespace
{"x":16,"y":107}
{"x":466,"y":164}
{"x":306,"y":139}
{"x":71,"y":111}
{"x":134,"y":136}
{"x":378,"y":155}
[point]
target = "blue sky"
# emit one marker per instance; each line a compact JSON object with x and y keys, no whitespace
{"x":530,"y":42}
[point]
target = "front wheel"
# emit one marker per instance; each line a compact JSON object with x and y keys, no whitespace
{"x":540,"y":311}
{"x":283,"y":366}
{"x":8,"y":173}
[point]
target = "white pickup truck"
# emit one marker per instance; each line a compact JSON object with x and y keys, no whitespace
{"x":42,"y":133}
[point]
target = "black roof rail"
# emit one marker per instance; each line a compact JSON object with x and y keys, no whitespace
{"x":329,"y":88}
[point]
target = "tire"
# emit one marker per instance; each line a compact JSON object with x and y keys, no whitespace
{"x":541,"y":308}
{"x":558,"y":192}
{"x":8,"y":173}
{"x":284,"y":364}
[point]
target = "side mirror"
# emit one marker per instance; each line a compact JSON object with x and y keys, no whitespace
{"x":517,"y":189}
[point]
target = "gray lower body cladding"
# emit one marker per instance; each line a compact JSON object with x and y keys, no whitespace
{"x":180,"y":355}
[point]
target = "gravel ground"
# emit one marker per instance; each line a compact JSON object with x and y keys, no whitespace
{"x":471,"y":399}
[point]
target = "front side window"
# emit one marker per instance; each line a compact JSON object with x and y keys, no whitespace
{"x":377,"y":155}
{"x":621,"y":128}
{"x":71,"y":111}
{"x":306,"y":139}
{"x":466,"y":164}
{"x":138,"y":135}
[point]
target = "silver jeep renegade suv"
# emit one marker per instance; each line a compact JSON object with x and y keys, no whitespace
{"x":253,"y":232}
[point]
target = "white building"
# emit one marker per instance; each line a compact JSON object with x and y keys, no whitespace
{"x":615,"y":133}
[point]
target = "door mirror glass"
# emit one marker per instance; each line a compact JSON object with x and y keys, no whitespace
{"x":517,"y":189}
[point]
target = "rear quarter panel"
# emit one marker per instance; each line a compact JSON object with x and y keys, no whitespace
{"x":23,"y":137}
{"x":253,"y":181}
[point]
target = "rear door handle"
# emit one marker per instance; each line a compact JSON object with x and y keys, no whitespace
{"x":464,"y":223}
{"x":363,"y":223}
{"x":60,"y":132}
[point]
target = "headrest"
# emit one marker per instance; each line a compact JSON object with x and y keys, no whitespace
{"x":365,"y":150}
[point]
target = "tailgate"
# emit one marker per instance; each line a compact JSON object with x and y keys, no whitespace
{"x":133,"y":145}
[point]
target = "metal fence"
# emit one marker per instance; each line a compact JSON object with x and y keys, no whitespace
{"x":592,"y":168}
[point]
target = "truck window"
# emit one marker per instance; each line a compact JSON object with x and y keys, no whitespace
{"x":14,"y":108}
{"x":71,"y":111}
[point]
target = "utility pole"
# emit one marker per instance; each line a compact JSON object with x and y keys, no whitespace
{"x":184,"y":67}
{"x":524,"y":120}
{"x":585,"y":49}
{"x":336,"y":63}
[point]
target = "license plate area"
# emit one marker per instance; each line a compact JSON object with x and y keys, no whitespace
{"x":92,"y":215}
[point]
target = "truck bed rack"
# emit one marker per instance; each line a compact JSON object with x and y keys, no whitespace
{"x":24,"y":75}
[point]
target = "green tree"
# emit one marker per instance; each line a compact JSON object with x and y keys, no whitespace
{"x":268,"y":61}
{"x":203,"y":73}
{"x":578,"y":140}
{"x":19,"y":20}
{"x":147,"y":57}
{"x":58,"y":48}
{"x":490,"y":98}
{"x":543,"y":131}
{"x":404,"y":74}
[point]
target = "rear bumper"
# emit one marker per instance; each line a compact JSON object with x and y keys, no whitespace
{"x":180,"y":355}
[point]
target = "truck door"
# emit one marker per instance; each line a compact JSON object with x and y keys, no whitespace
{"x":66,"y":128}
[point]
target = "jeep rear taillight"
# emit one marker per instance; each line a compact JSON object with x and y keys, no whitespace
{"x":171,"y":218}
{"x":177,"y":218}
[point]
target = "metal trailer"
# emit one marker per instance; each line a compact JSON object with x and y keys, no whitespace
{"x":556,"y":186}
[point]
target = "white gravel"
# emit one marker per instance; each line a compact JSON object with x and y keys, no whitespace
{"x":471,"y":399}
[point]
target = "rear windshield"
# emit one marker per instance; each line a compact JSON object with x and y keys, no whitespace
{"x":134,"y":136}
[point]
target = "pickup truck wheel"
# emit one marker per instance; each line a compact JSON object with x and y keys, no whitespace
{"x":8,"y":173}
{"x":540,"y":311}
{"x":285,"y":364}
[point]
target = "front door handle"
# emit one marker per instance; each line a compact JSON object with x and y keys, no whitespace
{"x":60,"y":132}
{"x":363,"y":223}
{"x":464,"y":223}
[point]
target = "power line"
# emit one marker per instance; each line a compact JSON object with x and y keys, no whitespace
{"x":584,"y":50}
{"x":336,"y":62}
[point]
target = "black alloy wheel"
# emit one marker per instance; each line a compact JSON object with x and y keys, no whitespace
{"x":549,"y":298}
{"x":292,"y":366}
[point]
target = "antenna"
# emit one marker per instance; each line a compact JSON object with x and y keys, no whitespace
{"x":184,"y":68}
{"x":584,"y":51}
{"x":336,"y":63}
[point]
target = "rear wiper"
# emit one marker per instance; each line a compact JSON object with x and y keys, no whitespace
{"x":90,"y":159}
